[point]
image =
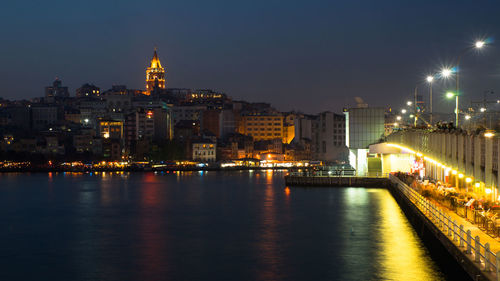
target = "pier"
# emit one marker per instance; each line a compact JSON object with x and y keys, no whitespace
{"x":334,"y":181}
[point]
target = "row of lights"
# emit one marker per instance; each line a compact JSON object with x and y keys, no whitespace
{"x":446,"y":73}
{"x":447,"y":169}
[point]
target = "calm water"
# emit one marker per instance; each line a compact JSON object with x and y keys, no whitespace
{"x":202,"y":226}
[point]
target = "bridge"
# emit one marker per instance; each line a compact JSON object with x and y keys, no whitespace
{"x":467,"y":160}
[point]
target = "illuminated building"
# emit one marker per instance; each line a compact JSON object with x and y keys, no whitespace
{"x":88,"y":90}
{"x":155,"y":74}
{"x":111,"y":129}
{"x":364,"y":126}
{"x":204,"y":151}
{"x":262,"y":127}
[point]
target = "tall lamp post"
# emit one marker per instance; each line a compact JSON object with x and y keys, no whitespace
{"x":451,"y":95}
{"x":430,"y":79}
{"x":477,"y":45}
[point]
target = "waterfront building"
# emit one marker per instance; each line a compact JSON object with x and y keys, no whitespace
{"x":88,"y":90}
{"x":262,"y":127}
{"x":303,"y":128}
{"x":204,"y":151}
{"x":364,"y":126}
{"x":155,"y":74}
{"x":328,"y":137}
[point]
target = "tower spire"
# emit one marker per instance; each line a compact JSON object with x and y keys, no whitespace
{"x":155,"y":73}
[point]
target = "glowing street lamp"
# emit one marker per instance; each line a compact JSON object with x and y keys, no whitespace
{"x":467,"y":117}
{"x":450,"y":95}
{"x":398,"y":118}
{"x":409,"y":103}
{"x":403,"y":111}
{"x":430,"y":79}
{"x":446,"y":72}
{"x":479,"y":44}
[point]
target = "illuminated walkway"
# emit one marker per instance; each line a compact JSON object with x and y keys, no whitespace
{"x":475,"y":230}
{"x":466,"y":160}
{"x":480,"y":249}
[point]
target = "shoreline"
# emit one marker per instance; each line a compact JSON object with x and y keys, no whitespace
{"x":135,"y":170}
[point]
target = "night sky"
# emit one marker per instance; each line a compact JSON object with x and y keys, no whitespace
{"x":303,"y":55}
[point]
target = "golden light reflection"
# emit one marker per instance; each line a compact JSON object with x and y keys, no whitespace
{"x":401,"y":249}
{"x":287,"y":191}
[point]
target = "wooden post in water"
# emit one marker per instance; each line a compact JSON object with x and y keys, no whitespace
{"x":477,"y":251}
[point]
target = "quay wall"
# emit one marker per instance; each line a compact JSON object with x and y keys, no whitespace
{"x":336,"y":181}
{"x":439,"y":244}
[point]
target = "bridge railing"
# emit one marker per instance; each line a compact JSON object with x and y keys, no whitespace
{"x":462,"y":238}
{"x":333,"y":173}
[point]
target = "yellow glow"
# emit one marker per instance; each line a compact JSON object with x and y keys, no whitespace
{"x":468,"y":180}
{"x":460,"y":176}
{"x":454,"y":172}
{"x":487,"y":190}
{"x":106,"y":135}
{"x":477,"y":184}
{"x":419,"y":154}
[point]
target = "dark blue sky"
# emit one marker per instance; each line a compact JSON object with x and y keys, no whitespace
{"x":308,"y":55}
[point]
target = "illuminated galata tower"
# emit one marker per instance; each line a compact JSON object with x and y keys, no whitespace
{"x":155,"y":74}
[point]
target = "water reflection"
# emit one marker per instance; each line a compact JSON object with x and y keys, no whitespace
{"x":151,"y":242}
{"x":269,"y":251}
{"x":219,"y":226}
{"x":401,"y":250}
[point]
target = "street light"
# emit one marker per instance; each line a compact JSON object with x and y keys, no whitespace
{"x":467,"y":117}
{"x":409,"y":103}
{"x":451,"y":95}
{"x":429,"y":80}
{"x":478,"y":45}
{"x":403,"y":111}
{"x":446,"y":72}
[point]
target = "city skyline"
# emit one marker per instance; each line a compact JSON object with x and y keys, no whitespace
{"x":288,"y":56}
